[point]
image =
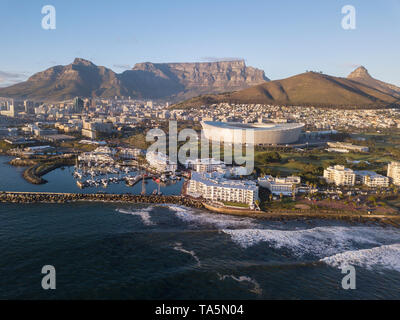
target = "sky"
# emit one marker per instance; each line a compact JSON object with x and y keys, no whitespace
{"x":283,"y":38}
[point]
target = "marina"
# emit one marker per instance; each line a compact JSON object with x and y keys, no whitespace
{"x":103,"y":179}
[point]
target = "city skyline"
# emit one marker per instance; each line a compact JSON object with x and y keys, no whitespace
{"x":282,"y":39}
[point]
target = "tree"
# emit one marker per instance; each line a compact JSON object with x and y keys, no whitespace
{"x":294,"y":192}
{"x":273,"y":157}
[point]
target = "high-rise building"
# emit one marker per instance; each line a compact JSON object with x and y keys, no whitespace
{"x":78,"y":105}
{"x":394,"y":172}
{"x":29,"y":107}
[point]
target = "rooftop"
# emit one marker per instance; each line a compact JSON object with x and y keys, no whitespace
{"x":217,"y":180}
{"x":254,"y":126}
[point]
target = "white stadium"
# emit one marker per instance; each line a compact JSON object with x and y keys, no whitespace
{"x":264,"y":133}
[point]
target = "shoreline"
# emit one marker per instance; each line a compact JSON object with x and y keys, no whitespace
{"x":59,"y":198}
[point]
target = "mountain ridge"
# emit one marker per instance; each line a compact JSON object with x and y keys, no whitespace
{"x":306,"y":89}
{"x":362,"y":75}
{"x":174,"y":81}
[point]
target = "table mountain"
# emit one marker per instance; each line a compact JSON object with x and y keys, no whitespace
{"x":172,"y":81}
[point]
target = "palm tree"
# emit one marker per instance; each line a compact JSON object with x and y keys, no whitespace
{"x":294,"y":192}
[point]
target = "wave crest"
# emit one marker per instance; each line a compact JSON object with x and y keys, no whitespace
{"x":204,"y":218}
{"x":142,"y":213}
{"x":387,"y":256}
{"x":319,"y":241}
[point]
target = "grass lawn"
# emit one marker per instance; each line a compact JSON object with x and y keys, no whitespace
{"x":236,"y":204}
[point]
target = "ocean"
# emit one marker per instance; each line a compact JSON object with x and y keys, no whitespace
{"x":123,"y":251}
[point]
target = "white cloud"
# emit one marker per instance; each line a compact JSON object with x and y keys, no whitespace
{"x":10,"y":78}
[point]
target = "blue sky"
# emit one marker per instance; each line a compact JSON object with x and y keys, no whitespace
{"x":281,"y":37}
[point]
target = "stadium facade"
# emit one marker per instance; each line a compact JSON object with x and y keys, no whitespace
{"x":264,"y":133}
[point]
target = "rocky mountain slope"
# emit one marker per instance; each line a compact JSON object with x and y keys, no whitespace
{"x":362,"y":75}
{"x":309,"y":89}
{"x":172,"y":81}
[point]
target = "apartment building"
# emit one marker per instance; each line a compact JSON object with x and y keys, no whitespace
{"x":372,"y":179}
{"x":340,"y":176}
{"x":130,"y":153}
{"x":205,"y":165}
{"x":160,"y":162}
{"x":213,"y":186}
{"x":394,"y":172}
{"x":90,"y":129}
{"x":276,"y":186}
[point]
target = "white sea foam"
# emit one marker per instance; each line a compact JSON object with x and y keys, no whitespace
{"x":256,"y":286}
{"x":386,"y":256}
{"x":142,"y":213}
{"x":178,"y":247}
{"x":216,"y":220}
{"x":319,"y":241}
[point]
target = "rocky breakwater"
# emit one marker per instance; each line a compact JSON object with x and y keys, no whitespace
{"x":37,"y":197}
{"x":18,"y":162}
{"x":34,"y":173}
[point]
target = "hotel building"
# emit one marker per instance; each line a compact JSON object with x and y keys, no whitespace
{"x":214,"y":187}
{"x":286,"y":186}
{"x":340,"y":176}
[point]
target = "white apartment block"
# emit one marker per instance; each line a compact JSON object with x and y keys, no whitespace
{"x":340,"y":176}
{"x":214,"y":187}
{"x":372,"y":179}
{"x":95,"y":157}
{"x":348,"y":146}
{"x":160,"y":162}
{"x":276,"y":186}
{"x":130,"y":153}
{"x":394,"y":172}
{"x":205,"y":165}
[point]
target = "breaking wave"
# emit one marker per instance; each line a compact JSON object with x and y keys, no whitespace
{"x":365,"y":246}
{"x":256,"y":286}
{"x":319,"y":241}
{"x":386,"y":256}
{"x":142,"y":213}
{"x":178,"y":247}
{"x":218,"y":221}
